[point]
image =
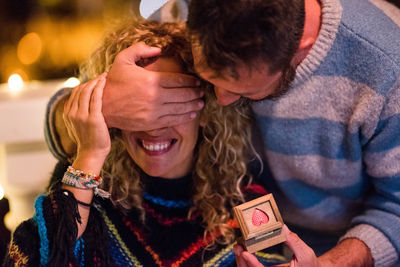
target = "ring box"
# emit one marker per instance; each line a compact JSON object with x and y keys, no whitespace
{"x":260,"y":223}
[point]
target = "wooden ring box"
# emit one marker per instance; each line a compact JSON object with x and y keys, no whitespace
{"x":260,"y":223}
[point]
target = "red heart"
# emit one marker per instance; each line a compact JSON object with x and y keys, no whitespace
{"x":259,"y":217}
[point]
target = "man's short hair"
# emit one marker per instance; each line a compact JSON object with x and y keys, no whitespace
{"x":246,"y":31}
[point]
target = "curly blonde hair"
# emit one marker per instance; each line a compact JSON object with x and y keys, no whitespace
{"x":223,"y":150}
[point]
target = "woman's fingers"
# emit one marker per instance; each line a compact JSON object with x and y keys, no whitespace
{"x":244,"y":258}
{"x":303,"y":254}
{"x":97,"y":95}
{"x":240,"y":262}
{"x":85,"y":100}
{"x":70,"y":104}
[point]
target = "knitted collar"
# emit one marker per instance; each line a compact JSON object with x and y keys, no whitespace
{"x":172,"y":189}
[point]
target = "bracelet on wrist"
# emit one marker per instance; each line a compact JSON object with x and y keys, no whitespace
{"x":82,"y":180}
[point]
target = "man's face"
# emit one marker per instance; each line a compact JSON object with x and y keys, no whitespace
{"x":255,"y":83}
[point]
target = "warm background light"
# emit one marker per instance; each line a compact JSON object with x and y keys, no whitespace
{"x":48,"y":39}
{"x":71,"y":82}
{"x":29,"y":48}
{"x":1,"y":192}
{"x":15,"y":83}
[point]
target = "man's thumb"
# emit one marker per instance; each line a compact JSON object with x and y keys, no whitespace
{"x":140,"y":50}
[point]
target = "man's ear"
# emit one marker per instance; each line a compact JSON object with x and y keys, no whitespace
{"x":304,"y":47}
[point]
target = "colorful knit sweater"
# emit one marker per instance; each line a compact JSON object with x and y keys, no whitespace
{"x":168,"y":238}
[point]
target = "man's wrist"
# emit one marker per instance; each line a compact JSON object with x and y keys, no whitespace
{"x":349,"y":252}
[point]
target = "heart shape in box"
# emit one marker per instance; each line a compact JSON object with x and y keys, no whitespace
{"x":259,"y":217}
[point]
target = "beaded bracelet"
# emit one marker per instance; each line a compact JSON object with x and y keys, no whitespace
{"x":89,"y":177}
{"x":79,"y":179}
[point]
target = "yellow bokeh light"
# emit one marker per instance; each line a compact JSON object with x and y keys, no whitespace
{"x":29,"y":48}
{"x":15,"y":83}
{"x":71,"y":82}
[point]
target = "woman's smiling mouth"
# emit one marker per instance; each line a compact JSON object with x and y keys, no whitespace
{"x":154,"y":147}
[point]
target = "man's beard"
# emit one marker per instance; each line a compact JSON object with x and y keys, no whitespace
{"x":288,"y":75}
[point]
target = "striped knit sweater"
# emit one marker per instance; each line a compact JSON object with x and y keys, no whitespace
{"x":333,"y":142}
{"x":168,"y":238}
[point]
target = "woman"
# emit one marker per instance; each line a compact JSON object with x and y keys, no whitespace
{"x":171,"y":190}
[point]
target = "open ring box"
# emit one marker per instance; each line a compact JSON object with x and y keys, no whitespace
{"x":260,"y":223}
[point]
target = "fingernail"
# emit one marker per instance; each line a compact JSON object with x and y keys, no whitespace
{"x":193,"y":115}
{"x":198,"y":83}
{"x":200,"y":104}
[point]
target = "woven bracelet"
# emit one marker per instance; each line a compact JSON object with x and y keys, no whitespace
{"x":79,"y":179}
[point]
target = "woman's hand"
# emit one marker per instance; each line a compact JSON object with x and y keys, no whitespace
{"x":244,"y":258}
{"x":86,"y":125}
{"x":303,"y":255}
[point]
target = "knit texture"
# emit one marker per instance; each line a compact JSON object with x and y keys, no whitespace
{"x":332,"y":142}
{"x":168,"y":237}
{"x":50,"y":133}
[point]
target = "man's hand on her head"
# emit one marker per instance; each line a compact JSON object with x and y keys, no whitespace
{"x":137,"y":99}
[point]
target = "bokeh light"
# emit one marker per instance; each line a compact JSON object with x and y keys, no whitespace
{"x":15,"y":83}
{"x":71,"y":82}
{"x":29,"y":48}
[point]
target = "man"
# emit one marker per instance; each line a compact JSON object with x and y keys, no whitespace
{"x":332,"y":138}
{"x":325,"y":80}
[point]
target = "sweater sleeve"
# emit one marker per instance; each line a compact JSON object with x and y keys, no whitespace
{"x":24,"y":247}
{"x":51,"y":136}
{"x":379,"y":225}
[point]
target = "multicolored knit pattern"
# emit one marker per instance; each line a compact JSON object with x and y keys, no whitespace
{"x":167,"y":238}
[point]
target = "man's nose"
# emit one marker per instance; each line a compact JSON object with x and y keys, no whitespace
{"x":225,"y":97}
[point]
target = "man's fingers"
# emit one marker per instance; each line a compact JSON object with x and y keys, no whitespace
{"x":181,"y":108}
{"x":180,"y":95}
{"x":172,"y":120}
{"x":138,"y":51}
{"x":177,"y":80}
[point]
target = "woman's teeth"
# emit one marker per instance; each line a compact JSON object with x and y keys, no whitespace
{"x":155,"y":147}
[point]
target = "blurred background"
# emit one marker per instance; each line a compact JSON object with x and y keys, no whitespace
{"x":42,"y":43}
{"x":46,"y":39}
